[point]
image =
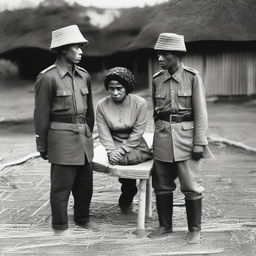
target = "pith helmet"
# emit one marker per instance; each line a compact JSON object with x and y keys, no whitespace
{"x":67,"y":35}
{"x":170,"y":42}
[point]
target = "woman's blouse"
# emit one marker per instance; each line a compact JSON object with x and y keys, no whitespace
{"x":121,"y":124}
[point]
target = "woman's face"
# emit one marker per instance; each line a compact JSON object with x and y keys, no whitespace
{"x":117,"y":91}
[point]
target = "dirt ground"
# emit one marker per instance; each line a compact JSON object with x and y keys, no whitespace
{"x":229,"y":204}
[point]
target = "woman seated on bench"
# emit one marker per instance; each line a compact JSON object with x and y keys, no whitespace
{"x":121,"y":119}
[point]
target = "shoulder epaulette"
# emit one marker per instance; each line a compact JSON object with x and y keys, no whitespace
{"x":158,"y":73}
{"x":47,"y":69}
{"x":191,"y":70}
{"x":82,"y":69}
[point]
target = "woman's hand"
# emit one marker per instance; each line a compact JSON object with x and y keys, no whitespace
{"x":115,"y":156}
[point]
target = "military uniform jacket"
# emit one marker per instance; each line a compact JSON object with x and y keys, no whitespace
{"x":61,"y":93}
{"x":179,"y":94}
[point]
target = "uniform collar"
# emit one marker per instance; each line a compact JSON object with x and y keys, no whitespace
{"x":176,"y":76}
{"x":166,"y":75}
{"x":64,"y":71}
{"x":78,"y":71}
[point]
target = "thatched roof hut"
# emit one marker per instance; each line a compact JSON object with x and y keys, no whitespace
{"x":26,"y":34}
{"x":220,"y":37}
{"x":120,"y":34}
{"x":31,"y":27}
{"x":202,"y":20}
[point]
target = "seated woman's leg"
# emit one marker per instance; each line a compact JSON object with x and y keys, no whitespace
{"x":129,"y":190}
{"x":136,"y":156}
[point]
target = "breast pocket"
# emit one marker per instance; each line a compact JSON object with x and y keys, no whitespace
{"x":160,"y":98}
{"x":63,"y":100}
{"x":185,"y":99}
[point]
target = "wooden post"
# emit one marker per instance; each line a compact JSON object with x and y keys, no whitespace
{"x":142,"y":204}
{"x":149,"y":198}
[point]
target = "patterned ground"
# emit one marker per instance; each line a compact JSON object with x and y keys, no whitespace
{"x":229,"y":208}
{"x":228,"y":214}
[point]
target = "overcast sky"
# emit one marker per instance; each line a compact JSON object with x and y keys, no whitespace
{"x":14,"y":4}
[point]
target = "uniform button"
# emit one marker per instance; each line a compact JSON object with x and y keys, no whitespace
{"x":64,"y":93}
{"x":173,"y":130}
{"x":185,"y":94}
{"x":158,"y":95}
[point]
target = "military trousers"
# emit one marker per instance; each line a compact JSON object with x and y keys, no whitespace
{"x":187,"y":171}
{"x":65,"y":179}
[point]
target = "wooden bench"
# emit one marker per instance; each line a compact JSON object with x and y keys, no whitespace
{"x":141,"y":172}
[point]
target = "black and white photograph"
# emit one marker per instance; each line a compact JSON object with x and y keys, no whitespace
{"x":127,"y":128}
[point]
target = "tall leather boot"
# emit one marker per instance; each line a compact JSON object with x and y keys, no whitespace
{"x":194,"y":214}
{"x":164,"y":204}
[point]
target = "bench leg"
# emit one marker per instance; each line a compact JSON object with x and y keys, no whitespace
{"x":149,"y":198}
{"x":142,"y":205}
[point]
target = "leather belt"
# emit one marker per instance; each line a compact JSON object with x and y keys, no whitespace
{"x":69,"y":119}
{"x":176,"y":118}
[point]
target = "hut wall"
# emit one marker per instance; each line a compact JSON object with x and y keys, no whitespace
{"x":224,"y":73}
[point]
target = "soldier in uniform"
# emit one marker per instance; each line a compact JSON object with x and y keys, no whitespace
{"x":64,"y":120}
{"x":180,"y":141}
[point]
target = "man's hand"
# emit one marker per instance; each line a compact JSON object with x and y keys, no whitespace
{"x":44,"y":155}
{"x":197,"y":152}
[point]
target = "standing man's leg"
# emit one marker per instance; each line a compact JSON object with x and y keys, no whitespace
{"x":82,"y":193}
{"x":62,"y":179}
{"x":163,"y":177}
{"x":188,"y":172}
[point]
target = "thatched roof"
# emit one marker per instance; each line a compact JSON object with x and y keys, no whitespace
{"x":122,"y":31}
{"x":136,"y":28}
{"x":202,"y":20}
{"x":32,"y":27}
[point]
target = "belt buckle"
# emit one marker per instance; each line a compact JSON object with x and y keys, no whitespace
{"x":175,"y":118}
